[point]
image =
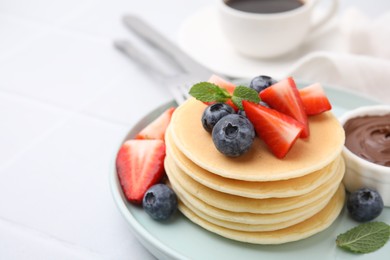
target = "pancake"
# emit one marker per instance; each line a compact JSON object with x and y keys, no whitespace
{"x":307,"y":228}
{"x":234,"y":203}
{"x":257,"y":190}
{"x":246,"y":217}
{"x":243,"y":226}
{"x":258,"y":164}
{"x":254,"y":227}
{"x":249,"y":221}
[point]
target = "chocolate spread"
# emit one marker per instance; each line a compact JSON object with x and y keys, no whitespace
{"x":369,"y":138}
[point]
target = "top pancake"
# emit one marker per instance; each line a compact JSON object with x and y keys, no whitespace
{"x":258,"y":164}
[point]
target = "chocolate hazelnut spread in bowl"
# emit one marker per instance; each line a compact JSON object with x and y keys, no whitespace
{"x":369,"y":138}
{"x":367,"y":149}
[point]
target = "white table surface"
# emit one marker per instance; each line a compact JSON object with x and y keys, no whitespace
{"x":67,"y":98}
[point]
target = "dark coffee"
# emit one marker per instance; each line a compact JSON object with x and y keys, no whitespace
{"x":264,"y":6}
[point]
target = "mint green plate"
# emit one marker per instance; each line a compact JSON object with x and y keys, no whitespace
{"x":181,"y":239}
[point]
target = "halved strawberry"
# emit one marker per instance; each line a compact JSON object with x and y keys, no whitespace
{"x":222,"y":83}
{"x":276,"y":129}
{"x":284,"y":97}
{"x":217,"y":80}
{"x":314,"y":99}
{"x":156,"y":129}
{"x":140,"y":164}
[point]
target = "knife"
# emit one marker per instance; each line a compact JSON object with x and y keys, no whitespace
{"x":164,"y":45}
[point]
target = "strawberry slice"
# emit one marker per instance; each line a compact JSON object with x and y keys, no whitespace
{"x":284,"y":97}
{"x":156,"y":129}
{"x":140,"y":164}
{"x":276,"y":129}
{"x":314,"y":99}
{"x":222,"y":83}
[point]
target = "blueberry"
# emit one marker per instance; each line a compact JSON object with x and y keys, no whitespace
{"x":364,"y":204}
{"x":233,"y":135}
{"x":213,"y":113}
{"x":261,"y":82}
{"x":160,"y":202}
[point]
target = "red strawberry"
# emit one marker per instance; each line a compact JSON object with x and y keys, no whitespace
{"x":222,"y":83}
{"x":276,"y":129}
{"x":284,"y":97}
{"x":140,"y":164}
{"x":156,"y":129}
{"x":314,"y":99}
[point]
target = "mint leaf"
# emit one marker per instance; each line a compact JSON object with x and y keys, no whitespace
{"x":244,"y":93}
{"x":209,"y":92}
{"x":365,"y":238}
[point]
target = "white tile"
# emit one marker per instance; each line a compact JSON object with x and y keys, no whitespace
{"x":103,"y":18}
{"x":47,"y":11}
{"x":23,"y":123}
{"x":16,"y":34}
{"x":119,"y":103}
{"x":19,"y":242}
{"x":60,"y":188}
{"x":62,"y":68}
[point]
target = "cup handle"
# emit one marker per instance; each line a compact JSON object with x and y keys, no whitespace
{"x":327,"y":16}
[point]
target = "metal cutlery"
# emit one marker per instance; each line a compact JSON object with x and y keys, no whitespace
{"x":188,"y":72}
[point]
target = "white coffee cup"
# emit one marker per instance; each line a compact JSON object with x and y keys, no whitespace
{"x":269,"y":35}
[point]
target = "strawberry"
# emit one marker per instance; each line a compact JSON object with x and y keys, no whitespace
{"x":156,"y":129}
{"x":222,"y":83}
{"x":276,"y":129}
{"x":140,"y":164}
{"x":314,"y":99}
{"x":284,"y":97}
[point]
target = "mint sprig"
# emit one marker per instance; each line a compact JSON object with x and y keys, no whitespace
{"x":244,"y":93}
{"x":365,"y":238}
{"x":209,"y":92}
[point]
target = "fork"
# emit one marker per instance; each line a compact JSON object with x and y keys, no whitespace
{"x":188,"y":71}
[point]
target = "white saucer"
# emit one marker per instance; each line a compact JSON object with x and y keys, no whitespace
{"x":201,"y":37}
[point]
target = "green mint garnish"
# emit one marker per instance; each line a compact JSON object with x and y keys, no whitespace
{"x":209,"y":92}
{"x":244,"y":93}
{"x":365,"y":238}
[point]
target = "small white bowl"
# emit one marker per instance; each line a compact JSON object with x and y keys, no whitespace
{"x":360,"y":172}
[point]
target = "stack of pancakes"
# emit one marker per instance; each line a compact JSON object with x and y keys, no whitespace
{"x":256,"y":198}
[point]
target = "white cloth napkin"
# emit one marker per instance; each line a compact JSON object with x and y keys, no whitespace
{"x":364,"y":65}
